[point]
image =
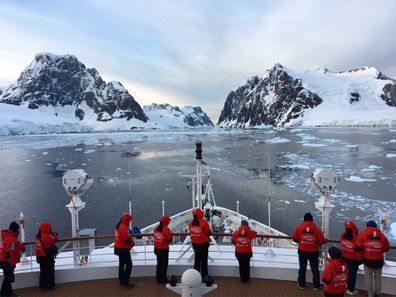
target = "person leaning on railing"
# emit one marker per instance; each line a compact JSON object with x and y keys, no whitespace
{"x":309,"y":238}
{"x":10,"y":253}
{"x":162,"y":239}
{"x":123,"y":243}
{"x":372,"y":244}
{"x":242,"y":239}
{"x":351,"y":257}
{"x":199,"y":232}
{"x":46,"y":250}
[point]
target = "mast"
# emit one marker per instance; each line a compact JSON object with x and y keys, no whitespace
{"x":269,"y":193}
{"x":198,"y":159}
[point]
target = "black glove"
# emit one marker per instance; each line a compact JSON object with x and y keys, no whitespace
{"x":7,"y":255}
{"x":129,"y":241}
{"x":23,"y":249}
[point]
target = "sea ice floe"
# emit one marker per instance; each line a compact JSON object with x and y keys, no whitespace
{"x":277,"y":140}
{"x":314,"y":144}
{"x":358,"y":179}
{"x":352,"y":146}
{"x":390,"y":155}
{"x":28,"y":160}
{"x":299,"y":166}
{"x":79,"y":149}
{"x":332,"y":140}
{"x":390,"y":141}
{"x":306,"y":136}
{"x":89,"y":151}
{"x":299,"y":201}
{"x":44,"y":153}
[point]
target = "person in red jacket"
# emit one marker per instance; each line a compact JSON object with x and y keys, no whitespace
{"x":10,"y":253}
{"x":242,"y":239}
{"x":123,"y":244}
{"x":45,"y":255}
{"x":351,"y":257}
{"x":199,"y":232}
{"x":309,"y":238}
{"x":372,"y":244}
{"x":162,"y":239}
{"x":335,"y":274}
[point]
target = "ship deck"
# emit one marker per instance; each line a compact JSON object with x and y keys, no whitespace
{"x":145,"y":286}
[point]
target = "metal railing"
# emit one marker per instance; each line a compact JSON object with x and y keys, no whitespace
{"x":146,"y":255}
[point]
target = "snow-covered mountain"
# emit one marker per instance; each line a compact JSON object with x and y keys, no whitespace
{"x":62,"y":86}
{"x":168,"y":116}
{"x":284,"y":97}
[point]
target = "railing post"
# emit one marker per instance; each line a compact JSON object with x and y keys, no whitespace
{"x":163,"y":207}
{"x":238,"y":207}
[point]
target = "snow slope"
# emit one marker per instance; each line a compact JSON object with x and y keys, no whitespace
{"x":336,"y":88}
{"x":16,"y":120}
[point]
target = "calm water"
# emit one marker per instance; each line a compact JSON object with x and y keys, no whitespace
{"x":32,"y":167}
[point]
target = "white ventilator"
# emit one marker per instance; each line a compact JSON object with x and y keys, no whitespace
{"x":325,"y":180}
{"x":191,"y":285}
{"x":76,"y":182}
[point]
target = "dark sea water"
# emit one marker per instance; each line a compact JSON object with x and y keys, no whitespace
{"x":32,"y":167}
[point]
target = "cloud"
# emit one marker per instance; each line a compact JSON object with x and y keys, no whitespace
{"x":196,"y":52}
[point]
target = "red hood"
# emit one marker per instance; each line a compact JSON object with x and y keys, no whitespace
{"x":165,"y":220}
{"x":243,"y":230}
{"x":45,"y":227}
{"x":126,"y":218}
{"x":198,"y":212}
{"x":308,"y":226}
{"x":351,"y":225}
{"x":8,"y":233}
{"x":372,"y":231}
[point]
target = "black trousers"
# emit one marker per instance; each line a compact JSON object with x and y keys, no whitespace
{"x":353,"y":267}
{"x":313,"y":258}
{"x":244,"y":265}
{"x":124,"y":268}
{"x":47,"y":272}
{"x":8,"y":273}
{"x":201,"y":258}
{"x":162,"y":264}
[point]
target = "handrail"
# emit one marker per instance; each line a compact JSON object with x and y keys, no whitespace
{"x":179,"y":234}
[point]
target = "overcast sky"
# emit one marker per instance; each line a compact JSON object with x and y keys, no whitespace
{"x":196,"y":52}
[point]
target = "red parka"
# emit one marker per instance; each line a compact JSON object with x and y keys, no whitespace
{"x":335,"y":276}
{"x":308,"y":236}
{"x":48,"y":239}
{"x":373,"y":244}
{"x":199,"y":234}
{"x":164,"y":237}
{"x":10,"y":247}
{"x":122,"y":238}
{"x":348,"y":246}
{"x":242,"y":239}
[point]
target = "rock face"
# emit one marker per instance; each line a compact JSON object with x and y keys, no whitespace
{"x":284,"y":97}
{"x":272,"y":100}
{"x":168,"y":116}
{"x":63,"y":81}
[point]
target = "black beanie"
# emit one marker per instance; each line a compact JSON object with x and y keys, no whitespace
{"x":244,"y":223}
{"x":371,"y":224}
{"x":14,"y":227}
{"x":308,"y":217}
{"x":335,"y":252}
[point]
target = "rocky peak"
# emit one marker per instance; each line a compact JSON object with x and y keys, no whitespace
{"x":62,"y":80}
